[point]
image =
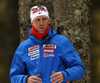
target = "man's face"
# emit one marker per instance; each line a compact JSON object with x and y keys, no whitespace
{"x":41,"y":23}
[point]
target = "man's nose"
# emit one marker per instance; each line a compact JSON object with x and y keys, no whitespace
{"x":41,"y":22}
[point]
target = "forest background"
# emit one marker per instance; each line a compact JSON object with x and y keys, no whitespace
{"x":14,"y":37}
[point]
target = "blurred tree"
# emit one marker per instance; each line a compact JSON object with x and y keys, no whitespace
{"x":74,"y":18}
{"x":95,"y":39}
{"x":12,"y":34}
{"x":2,"y":40}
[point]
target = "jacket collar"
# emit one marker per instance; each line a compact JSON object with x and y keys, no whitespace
{"x":35,"y":39}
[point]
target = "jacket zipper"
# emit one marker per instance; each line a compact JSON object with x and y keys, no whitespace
{"x":41,"y":58}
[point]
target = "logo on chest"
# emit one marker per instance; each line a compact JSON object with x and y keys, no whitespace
{"x":34,"y":57}
{"x":49,"y":55}
{"x":33,"y":52}
{"x":48,"y":50}
{"x":33,"y":48}
{"x":49,"y":46}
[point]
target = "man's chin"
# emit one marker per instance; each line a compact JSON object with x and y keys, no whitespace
{"x":42,"y":32}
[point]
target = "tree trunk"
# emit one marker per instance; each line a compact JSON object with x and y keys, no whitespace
{"x":74,"y":19}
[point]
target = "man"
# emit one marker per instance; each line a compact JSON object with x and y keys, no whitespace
{"x":45,"y":57}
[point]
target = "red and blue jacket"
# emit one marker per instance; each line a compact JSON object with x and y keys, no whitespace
{"x":34,"y":56}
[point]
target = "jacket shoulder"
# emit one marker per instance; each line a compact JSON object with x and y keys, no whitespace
{"x":60,"y":39}
{"x":63,"y":42}
{"x":25,"y":43}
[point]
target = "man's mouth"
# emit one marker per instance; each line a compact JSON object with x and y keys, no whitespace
{"x":41,"y":28}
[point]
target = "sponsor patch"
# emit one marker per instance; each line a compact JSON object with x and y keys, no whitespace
{"x":49,"y":55}
{"x":48,"y":50}
{"x":49,"y":46}
{"x":34,"y":57}
{"x":32,"y":53}
{"x":33,"y":48}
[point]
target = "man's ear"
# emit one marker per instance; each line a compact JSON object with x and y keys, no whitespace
{"x":32,"y":23}
{"x":49,"y":21}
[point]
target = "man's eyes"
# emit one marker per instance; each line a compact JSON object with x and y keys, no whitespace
{"x":43,"y":19}
{"x":37,"y":19}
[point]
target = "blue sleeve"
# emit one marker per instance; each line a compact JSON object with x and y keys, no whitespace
{"x":18,"y":71}
{"x":75,"y":68}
